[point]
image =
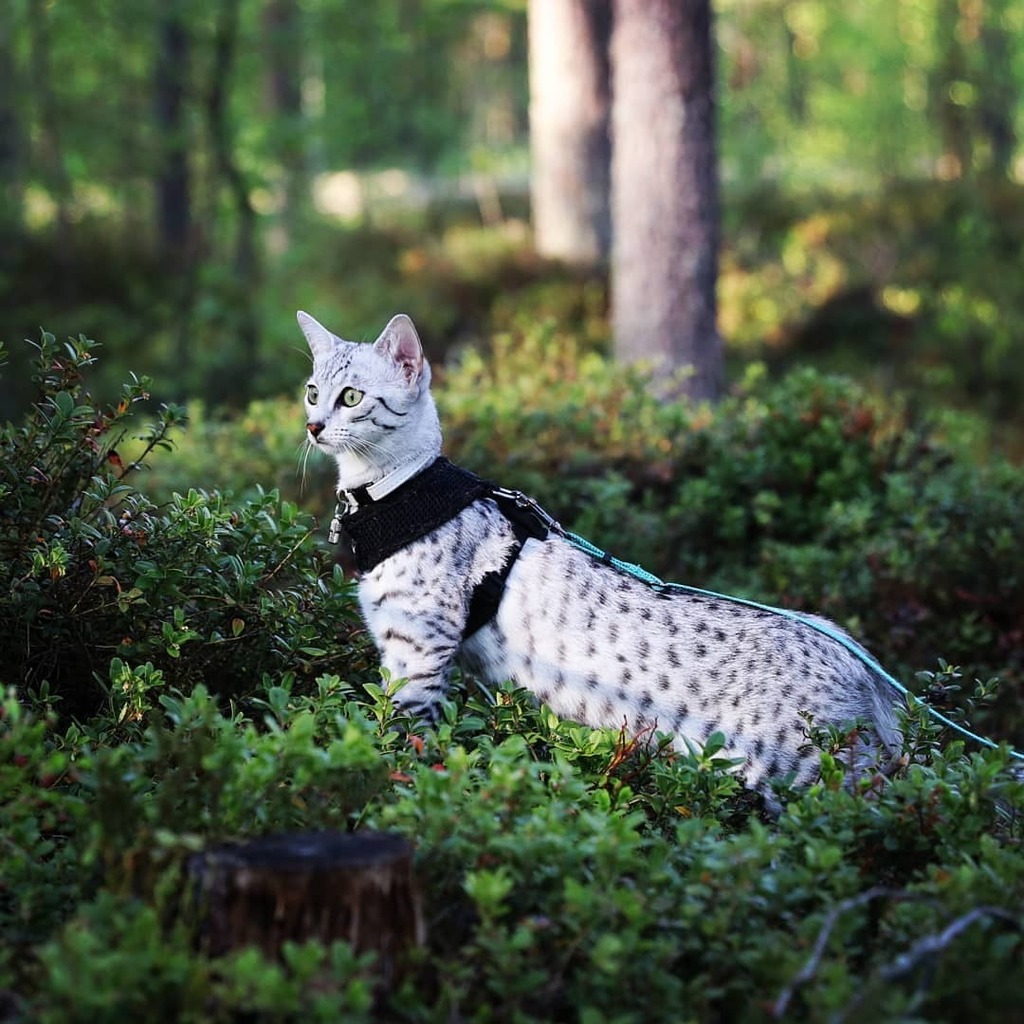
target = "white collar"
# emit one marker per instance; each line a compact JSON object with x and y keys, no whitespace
{"x":357,"y":496}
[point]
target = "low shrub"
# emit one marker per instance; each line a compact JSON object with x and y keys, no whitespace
{"x":904,"y":288}
{"x":95,"y":577}
{"x":806,"y":491}
{"x":565,"y":873}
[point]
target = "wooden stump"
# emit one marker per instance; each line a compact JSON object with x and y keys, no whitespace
{"x":316,"y":885}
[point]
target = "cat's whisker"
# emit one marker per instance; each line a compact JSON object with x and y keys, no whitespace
{"x":302,"y":464}
{"x":364,"y":446}
{"x":373,"y":452}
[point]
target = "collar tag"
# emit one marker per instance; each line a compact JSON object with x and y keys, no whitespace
{"x":334,"y":530}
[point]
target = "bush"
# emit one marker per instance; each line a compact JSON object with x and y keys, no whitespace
{"x":95,"y":577}
{"x":907,"y":287}
{"x":807,"y":491}
{"x":566,"y":874}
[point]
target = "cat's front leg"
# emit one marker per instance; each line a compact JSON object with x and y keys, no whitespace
{"x":417,"y":649}
{"x":416,"y":603}
{"x":422,"y":674}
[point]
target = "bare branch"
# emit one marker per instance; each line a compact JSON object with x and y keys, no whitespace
{"x":931,"y":945}
{"x":814,"y":962}
{"x":925,"y":950}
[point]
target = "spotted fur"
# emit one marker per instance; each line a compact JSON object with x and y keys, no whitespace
{"x":595,"y":644}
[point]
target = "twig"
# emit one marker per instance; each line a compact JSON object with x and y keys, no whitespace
{"x":811,"y":967}
{"x":927,"y":947}
{"x":932,"y":944}
{"x":267,"y":577}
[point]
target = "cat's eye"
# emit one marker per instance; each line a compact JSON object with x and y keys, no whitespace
{"x":312,"y":394}
{"x":350,"y":397}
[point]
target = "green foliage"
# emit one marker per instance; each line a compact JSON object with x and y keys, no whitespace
{"x":41,"y":877}
{"x":827,"y":113}
{"x":202,"y":775}
{"x":802,"y":83}
{"x":566,"y":873}
{"x":104,"y":593}
{"x":117,"y":959}
{"x":806,"y":490}
{"x":553,"y":885}
{"x":905,"y":288}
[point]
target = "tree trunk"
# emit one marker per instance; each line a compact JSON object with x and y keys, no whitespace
{"x":173,"y":191}
{"x":54,"y":174}
{"x":796,"y":84}
{"x":10,"y":134}
{"x":569,"y":128}
{"x":283,"y":87}
{"x":665,"y":192}
{"x":953,"y":116}
{"x":173,"y":180}
{"x":327,"y":886}
{"x":245,"y":323}
{"x":997,"y":93}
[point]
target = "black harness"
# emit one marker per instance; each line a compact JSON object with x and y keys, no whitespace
{"x":377,"y":528}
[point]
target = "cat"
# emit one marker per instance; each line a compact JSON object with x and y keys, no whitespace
{"x":594,"y":643}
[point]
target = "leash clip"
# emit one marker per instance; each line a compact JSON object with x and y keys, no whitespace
{"x":528,"y":504}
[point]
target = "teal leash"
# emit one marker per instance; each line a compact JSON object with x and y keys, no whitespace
{"x":640,"y":573}
{"x":821,"y":627}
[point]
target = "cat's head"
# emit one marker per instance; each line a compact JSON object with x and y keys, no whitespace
{"x":369,"y":405}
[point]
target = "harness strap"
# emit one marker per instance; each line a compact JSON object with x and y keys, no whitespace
{"x":377,"y":528}
{"x":522,"y":516}
{"x":379,"y":525}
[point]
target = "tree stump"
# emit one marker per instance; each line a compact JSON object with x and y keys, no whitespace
{"x":358,"y":887}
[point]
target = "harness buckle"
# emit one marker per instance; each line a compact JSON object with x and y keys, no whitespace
{"x":348,"y":503}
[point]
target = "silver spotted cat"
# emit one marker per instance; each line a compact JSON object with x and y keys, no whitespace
{"x":594,"y":643}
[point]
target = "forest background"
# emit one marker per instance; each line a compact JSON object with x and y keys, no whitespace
{"x":177,"y":178}
{"x":185,"y":660}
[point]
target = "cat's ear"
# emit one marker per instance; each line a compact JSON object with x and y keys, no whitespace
{"x":321,"y":341}
{"x":400,"y":344}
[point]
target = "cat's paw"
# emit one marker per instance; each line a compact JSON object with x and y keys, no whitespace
{"x":419,"y":713}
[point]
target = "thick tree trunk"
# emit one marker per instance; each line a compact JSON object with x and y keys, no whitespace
{"x":326,"y":886}
{"x":665,"y":191}
{"x":569,"y":128}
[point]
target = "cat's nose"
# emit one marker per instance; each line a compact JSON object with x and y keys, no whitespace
{"x":315,"y":429}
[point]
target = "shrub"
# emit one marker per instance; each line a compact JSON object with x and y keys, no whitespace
{"x":565,"y":874}
{"x":805,"y":491}
{"x":41,"y":877}
{"x":95,"y":577}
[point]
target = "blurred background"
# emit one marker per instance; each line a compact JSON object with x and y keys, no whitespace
{"x":177,"y":177}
